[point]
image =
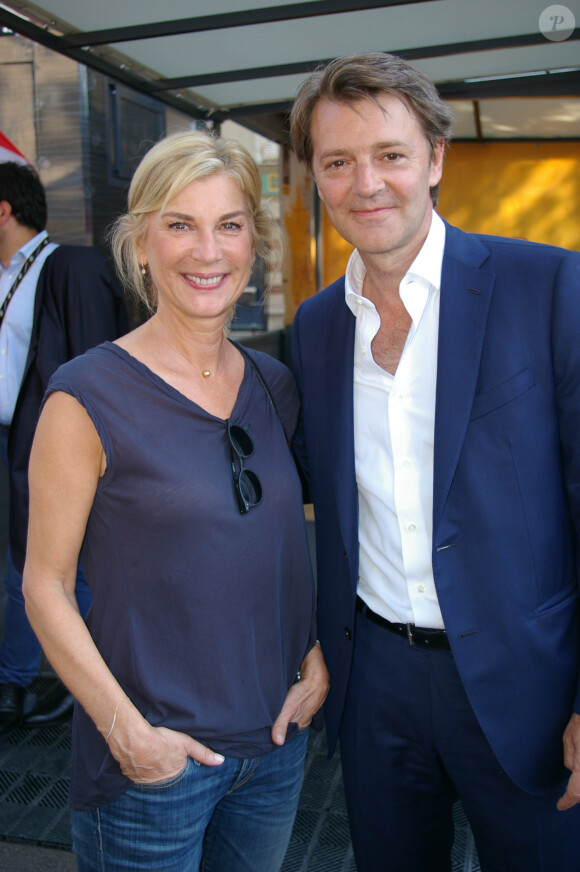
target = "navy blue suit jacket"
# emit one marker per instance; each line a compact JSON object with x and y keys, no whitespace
{"x":78,"y":304}
{"x":506,"y":488}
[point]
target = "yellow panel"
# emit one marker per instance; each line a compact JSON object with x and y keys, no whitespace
{"x":335,"y":252}
{"x":527,"y":190}
{"x":299,"y":271}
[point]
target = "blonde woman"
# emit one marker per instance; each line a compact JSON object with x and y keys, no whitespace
{"x":164,"y":456}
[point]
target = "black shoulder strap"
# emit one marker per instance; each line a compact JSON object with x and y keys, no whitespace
{"x":24,"y":269}
{"x":261,"y":378}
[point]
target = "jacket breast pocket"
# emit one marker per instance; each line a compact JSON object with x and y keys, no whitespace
{"x":499,"y":395}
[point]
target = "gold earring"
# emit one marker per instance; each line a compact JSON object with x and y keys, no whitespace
{"x":143,"y":269}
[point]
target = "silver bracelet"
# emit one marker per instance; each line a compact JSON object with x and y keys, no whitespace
{"x":108,"y":736}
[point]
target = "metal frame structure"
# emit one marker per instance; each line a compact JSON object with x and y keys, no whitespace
{"x":118,"y":51}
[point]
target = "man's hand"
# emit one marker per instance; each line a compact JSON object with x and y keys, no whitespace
{"x":305,"y":697}
{"x":572,"y":762}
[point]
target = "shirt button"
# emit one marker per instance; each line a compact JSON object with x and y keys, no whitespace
{"x":421,"y":588}
{"x":406,"y":464}
{"x":411,"y":528}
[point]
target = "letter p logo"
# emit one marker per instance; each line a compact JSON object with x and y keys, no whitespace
{"x":557,"y":23}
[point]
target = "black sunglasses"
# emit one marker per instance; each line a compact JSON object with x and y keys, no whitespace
{"x":246,"y":483}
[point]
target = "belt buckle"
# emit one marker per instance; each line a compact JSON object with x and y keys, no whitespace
{"x":410,"y":628}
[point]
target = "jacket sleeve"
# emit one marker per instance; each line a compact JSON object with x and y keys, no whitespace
{"x":298,"y":444}
{"x":566,"y":362}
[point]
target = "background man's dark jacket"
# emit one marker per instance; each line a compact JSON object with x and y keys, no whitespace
{"x":78,"y":305}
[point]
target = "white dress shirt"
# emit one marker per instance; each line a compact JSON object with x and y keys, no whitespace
{"x":394,"y":424}
{"x":16,"y":327}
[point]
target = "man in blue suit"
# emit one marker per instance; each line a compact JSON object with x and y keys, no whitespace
{"x":440,"y":386}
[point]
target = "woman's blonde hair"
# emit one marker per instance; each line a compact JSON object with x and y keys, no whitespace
{"x":169,"y":167}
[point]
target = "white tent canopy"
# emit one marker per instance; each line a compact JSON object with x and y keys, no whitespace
{"x":222,"y":60}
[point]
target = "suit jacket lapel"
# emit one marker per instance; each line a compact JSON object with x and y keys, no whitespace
{"x":466,"y":291}
{"x":340,"y":406}
{"x":30,"y":358}
{"x":35,"y":335}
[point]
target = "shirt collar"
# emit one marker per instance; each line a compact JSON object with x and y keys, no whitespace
{"x":24,"y":253}
{"x":27,"y":249}
{"x":427,"y":265}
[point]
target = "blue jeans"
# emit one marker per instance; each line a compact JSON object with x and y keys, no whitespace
{"x":20,"y":651}
{"x":236,"y":817}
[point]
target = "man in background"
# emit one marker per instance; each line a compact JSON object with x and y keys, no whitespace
{"x":55,"y":303}
{"x":440,"y":387}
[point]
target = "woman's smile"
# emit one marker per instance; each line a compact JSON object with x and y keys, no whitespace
{"x":200,"y":248}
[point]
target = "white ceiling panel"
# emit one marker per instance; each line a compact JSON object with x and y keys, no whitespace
{"x":542,"y":58}
{"x":506,"y":119}
{"x":244,"y":59}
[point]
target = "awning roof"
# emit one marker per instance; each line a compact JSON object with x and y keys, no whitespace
{"x":246,"y":64}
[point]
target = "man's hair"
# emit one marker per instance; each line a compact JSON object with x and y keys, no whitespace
{"x":21,"y":187}
{"x":365,"y":77}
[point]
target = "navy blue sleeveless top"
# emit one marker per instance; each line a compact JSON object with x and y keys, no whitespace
{"x":202,"y":614}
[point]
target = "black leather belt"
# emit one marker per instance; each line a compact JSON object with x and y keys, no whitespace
{"x":424,"y":638}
